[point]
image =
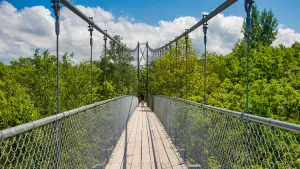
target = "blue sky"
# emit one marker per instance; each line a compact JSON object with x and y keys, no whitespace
{"x":151,"y":12}
{"x":19,"y":35}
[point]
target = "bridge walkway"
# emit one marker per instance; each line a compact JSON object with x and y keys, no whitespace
{"x":142,"y":124}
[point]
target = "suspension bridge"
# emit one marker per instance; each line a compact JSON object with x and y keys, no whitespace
{"x":169,"y":132}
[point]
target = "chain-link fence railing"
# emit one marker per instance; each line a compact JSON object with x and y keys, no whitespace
{"x":211,"y":137}
{"x":80,"y":138}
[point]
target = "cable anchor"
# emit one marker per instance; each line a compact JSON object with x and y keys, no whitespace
{"x":56,"y":8}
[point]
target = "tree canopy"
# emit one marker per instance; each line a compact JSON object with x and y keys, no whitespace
{"x":28,"y":85}
{"x":28,"y":90}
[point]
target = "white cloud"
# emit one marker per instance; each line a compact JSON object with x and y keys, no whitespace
{"x":24,"y":30}
{"x":222,"y":34}
{"x":286,"y":36}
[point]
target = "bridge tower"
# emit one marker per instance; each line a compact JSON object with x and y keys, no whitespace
{"x":142,"y":68}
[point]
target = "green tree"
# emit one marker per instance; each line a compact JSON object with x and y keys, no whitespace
{"x":37,"y":74}
{"x":16,"y":106}
{"x":263,"y":27}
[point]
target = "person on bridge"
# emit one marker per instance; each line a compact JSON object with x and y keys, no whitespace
{"x":142,"y":100}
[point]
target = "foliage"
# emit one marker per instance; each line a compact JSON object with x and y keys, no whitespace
{"x":263,"y":27}
{"x":16,"y":107}
{"x":28,"y":85}
{"x":274,"y":79}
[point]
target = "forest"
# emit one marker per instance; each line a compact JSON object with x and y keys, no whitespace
{"x":28,"y":85}
{"x":274,"y":74}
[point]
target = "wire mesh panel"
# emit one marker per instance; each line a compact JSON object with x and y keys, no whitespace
{"x":81,"y":138}
{"x":217,"y":138}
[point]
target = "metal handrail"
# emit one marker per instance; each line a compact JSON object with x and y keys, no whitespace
{"x":31,"y":125}
{"x":254,"y":118}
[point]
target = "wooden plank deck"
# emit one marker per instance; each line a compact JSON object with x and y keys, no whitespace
{"x":139,"y":149}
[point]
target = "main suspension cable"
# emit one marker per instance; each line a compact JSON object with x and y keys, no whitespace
{"x":218,"y":10}
{"x":75,"y":10}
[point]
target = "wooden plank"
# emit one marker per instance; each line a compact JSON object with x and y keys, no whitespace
{"x":116,"y":159}
{"x":158,"y":146}
{"x":139,"y":149}
{"x":173,"y":158}
{"x":136,"y":157}
{"x":146,"y":158}
{"x":155,"y":146}
{"x":131,"y":144}
{"x":152,"y":162}
{"x":171,"y":150}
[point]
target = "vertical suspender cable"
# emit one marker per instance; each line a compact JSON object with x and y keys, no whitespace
{"x":91,"y":28}
{"x":105,"y":66}
{"x":176,"y":67}
{"x":138,"y":62}
{"x":186,"y":64}
{"x":56,"y":8}
{"x":147,"y":56}
{"x":120,"y":52}
{"x":248,"y":6}
{"x":170,"y":83}
{"x":169,"y":120}
{"x":186,"y":91}
{"x":161,"y":70}
{"x":176,"y":78}
{"x":166,"y":56}
{"x":205,"y":27}
{"x":205,"y":59}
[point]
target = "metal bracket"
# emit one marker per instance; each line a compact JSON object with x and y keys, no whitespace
{"x":112,"y":142}
{"x":248,"y":7}
{"x":98,"y":166}
{"x":205,"y":27}
{"x":175,"y":141}
{"x":105,"y":154}
{"x":56,"y":8}
{"x":182,"y":153}
{"x":105,"y":37}
{"x":186,"y":35}
{"x":194,"y":166}
{"x":169,"y":130}
{"x":91,"y":29}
